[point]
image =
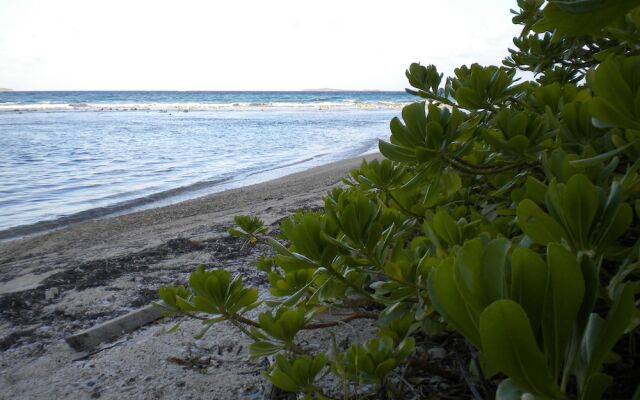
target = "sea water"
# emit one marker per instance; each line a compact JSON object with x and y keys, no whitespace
{"x":71,"y":156}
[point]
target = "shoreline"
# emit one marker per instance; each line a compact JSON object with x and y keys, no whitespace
{"x":194,"y":218}
{"x":158,"y":200}
{"x":60,"y":283}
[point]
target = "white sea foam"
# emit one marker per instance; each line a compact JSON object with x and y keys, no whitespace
{"x":193,"y":106}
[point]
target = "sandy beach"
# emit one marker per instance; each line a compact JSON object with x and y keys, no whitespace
{"x":56,"y":284}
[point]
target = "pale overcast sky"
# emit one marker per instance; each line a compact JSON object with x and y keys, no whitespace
{"x":242,"y":44}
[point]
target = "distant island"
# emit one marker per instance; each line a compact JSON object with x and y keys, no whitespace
{"x":5,"y":90}
{"x":340,"y":90}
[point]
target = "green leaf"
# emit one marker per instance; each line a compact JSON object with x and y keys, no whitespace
{"x":425,"y":78}
{"x":617,"y":225}
{"x":562,"y":300}
{"x":606,"y":115}
{"x":579,"y":204}
{"x":582,"y":17}
{"x":415,"y":119}
{"x":590,"y":273}
{"x":396,"y":153}
{"x":283,"y":381}
{"x":518,"y":144}
{"x":296,"y":374}
{"x":468,"y":98}
{"x":596,"y":160}
{"x":535,"y":190}
{"x":468,"y":274}
{"x":616,"y":87}
{"x":174,"y":328}
{"x":529,"y":275}
{"x":494,"y":269}
{"x":425,"y":155}
{"x":595,"y":387}
{"x":601,"y":335}
{"x":448,"y":301}
{"x":446,"y":227}
{"x":537,"y":224}
{"x":450,"y":182}
{"x":509,"y":346}
{"x":200,"y":334}
{"x":384,"y":367}
{"x":262,"y":348}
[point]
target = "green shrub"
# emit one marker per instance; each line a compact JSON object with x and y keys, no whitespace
{"x":505,"y":211}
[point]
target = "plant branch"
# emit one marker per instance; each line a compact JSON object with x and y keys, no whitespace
{"x":344,"y":280}
{"x":360,"y":315}
{"x":406,"y":211}
{"x":320,"y":325}
{"x":475,"y":169}
{"x":242,"y":329}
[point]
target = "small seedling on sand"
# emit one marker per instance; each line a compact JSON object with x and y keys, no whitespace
{"x":249,"y":228}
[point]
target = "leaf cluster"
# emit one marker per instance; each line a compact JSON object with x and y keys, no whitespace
{"x":505,"y":211}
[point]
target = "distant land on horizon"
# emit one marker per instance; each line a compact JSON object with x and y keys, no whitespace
{"x":5,"y":90}
{"x":341,"y":90}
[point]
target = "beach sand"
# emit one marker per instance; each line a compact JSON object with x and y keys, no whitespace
{"x":56,"y":284}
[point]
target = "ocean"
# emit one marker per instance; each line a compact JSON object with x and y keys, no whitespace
{"x":71,"y":156}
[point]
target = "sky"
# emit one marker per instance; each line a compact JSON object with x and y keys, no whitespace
{"x":243,"y":44}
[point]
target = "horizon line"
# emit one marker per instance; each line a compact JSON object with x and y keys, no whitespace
{"x":8,"y":90}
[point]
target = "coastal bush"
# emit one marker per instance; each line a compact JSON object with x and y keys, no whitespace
{"x":506,"y":212}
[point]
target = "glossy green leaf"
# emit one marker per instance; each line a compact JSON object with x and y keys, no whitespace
{"x":537,"y":224}
{"x":579,"y":204}
{"x":562,"y":300}
{"x":395,"y":152}
{"x":297,"y":374}
{"x":509,"y":346}
{"x":494,"y":270}
{"x":445,"y":227}
{"x":535,"y":190}
{"x":615,"y":85}
{"x":283,"y":381}
{"x":617,"y":225}
{"x":596,"y":160}
{"x":261,"y":349}
{"x":415,"y":119}
{"x":529,"y":276}
{"x":582,"y":17}
{"x":425,"y":78}
{"x":602,"y":334}
{"x":468,"y":276}
{"x":468,"y":98}
{"x":447,"y":299}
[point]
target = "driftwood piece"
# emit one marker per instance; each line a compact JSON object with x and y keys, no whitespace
{"x":114,"y":328}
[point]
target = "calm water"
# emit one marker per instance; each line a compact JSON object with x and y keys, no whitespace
{"x":70,"y":156}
